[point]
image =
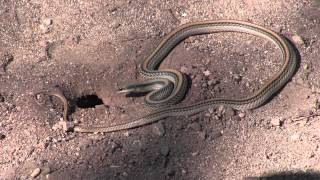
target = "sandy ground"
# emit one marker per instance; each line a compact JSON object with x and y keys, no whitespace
{"x":89,"y":48}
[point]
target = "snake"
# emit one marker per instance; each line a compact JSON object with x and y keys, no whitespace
{"x":167,"y":87}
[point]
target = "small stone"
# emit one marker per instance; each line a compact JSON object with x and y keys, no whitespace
{"x":100,"y":107}
{"x":317,"y":104}
{"x":47,"y":21}
{"x":183,"y":171}
{"x":35,"y":172}
{"x":115,"y":25}
{"x":46,"y":170}
{"x":237,"y":78}
{"x":207,"y":73}
{"x":211,"y":82}
{"x":195,"y":153}
{"x":171,"y":172}
{"x":276,"y":121}
{"x":158,"y":129}
{"x":56,"y":126}
{"x":203,"y":135}
{"x":229,"y":112}
{"x":204,"y":85}
{"x":185,"y":70}
{"x":298,"y":39}
{"x":114,"y":147}
{"x":127,"y":134}
{"x":2,"y":136}
{"x":44,"y":29}
{"x":295,"y":137}
{"x":66,"y":125}
{"x":1,"y":98}
{"x":306,"y":67}
{"x":164,"y":150}
{"x":43,"y":145}
{"x":242,"y":115}
{"x":195,"y":126}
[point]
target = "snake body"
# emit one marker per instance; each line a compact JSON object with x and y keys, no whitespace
{"x":168,"y":86}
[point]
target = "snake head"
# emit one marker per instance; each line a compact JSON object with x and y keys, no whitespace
{"x":124,"y":90}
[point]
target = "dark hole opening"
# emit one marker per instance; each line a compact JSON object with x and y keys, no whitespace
{"x":88,"y":101}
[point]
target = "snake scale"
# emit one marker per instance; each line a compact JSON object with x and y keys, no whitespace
{"x":167,"y":87}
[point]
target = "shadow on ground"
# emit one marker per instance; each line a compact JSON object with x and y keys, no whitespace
{"x":289,"y":176}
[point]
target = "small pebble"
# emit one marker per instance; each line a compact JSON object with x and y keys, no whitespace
{"x":114,"y":147}
{"x":203,"y":135}
{"x":2,"y":136}
{"x":207,"y":73}
{"x":229,"y":112}
{"x":184,"y":69}
{"x":237,"y":78}
{"x":295,"y":137}
{"x":195,"y":153}
{"x":195,"y":126}
{"x":47,"y":21}
{"x":44,"y":29}
{"x":275,"y":121}
{"x":298,"y":39}
{"x":35,"y":172}
{"x":127,"y":134}
{"x":164,"y":150}
{"x":158,"y":129}
{"x":46,"y":170}
{"x":66,"y":125}
{"x":241,"y":114}
{"x":1,"y":98}
{"x":171,"y":172}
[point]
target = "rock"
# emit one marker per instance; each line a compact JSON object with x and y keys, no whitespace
{"x":1,"y":98}
{"x":44,"y":29}
{"x":306,"y":67}
{"x":229,"y":112}
{"x":171,"y":172}
{"x":185,"y":69}
{"x":47,"y":21}
{"x":298,"y":40}
{"x":5,"y":60}
{"x":183,"y":171}
{"x":295,"y":137}
{"x":35,"y":172}
{"x":66,"y":125}
{"x":195,"y":153}
{"x":276,"y":121}
{"x":203,"y":135}
{"x":195,"y":126}
{"x":207,"y":73}
{"x":114,"y":146}
{"x":127,"y":134}
{"x":242,"y":114}
{"x":237,"y":78}
{"x":115,"y":25}
{"x":164,"y":150}
{"x":46,"y":170}
{"x":2,"y":136}
{"x":158,"y":129}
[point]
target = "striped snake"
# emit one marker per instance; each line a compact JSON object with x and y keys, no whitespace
{"x":167,"y":87}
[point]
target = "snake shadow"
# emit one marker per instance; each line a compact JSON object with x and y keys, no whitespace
{"x":288,"y":176}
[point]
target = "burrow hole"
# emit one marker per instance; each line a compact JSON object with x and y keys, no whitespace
{"x":88,"y":101}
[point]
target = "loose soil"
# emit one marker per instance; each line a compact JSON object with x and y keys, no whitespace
{"x":90,"y":48}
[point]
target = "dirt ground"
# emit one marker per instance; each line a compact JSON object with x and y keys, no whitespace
{"x":89,"y":48}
